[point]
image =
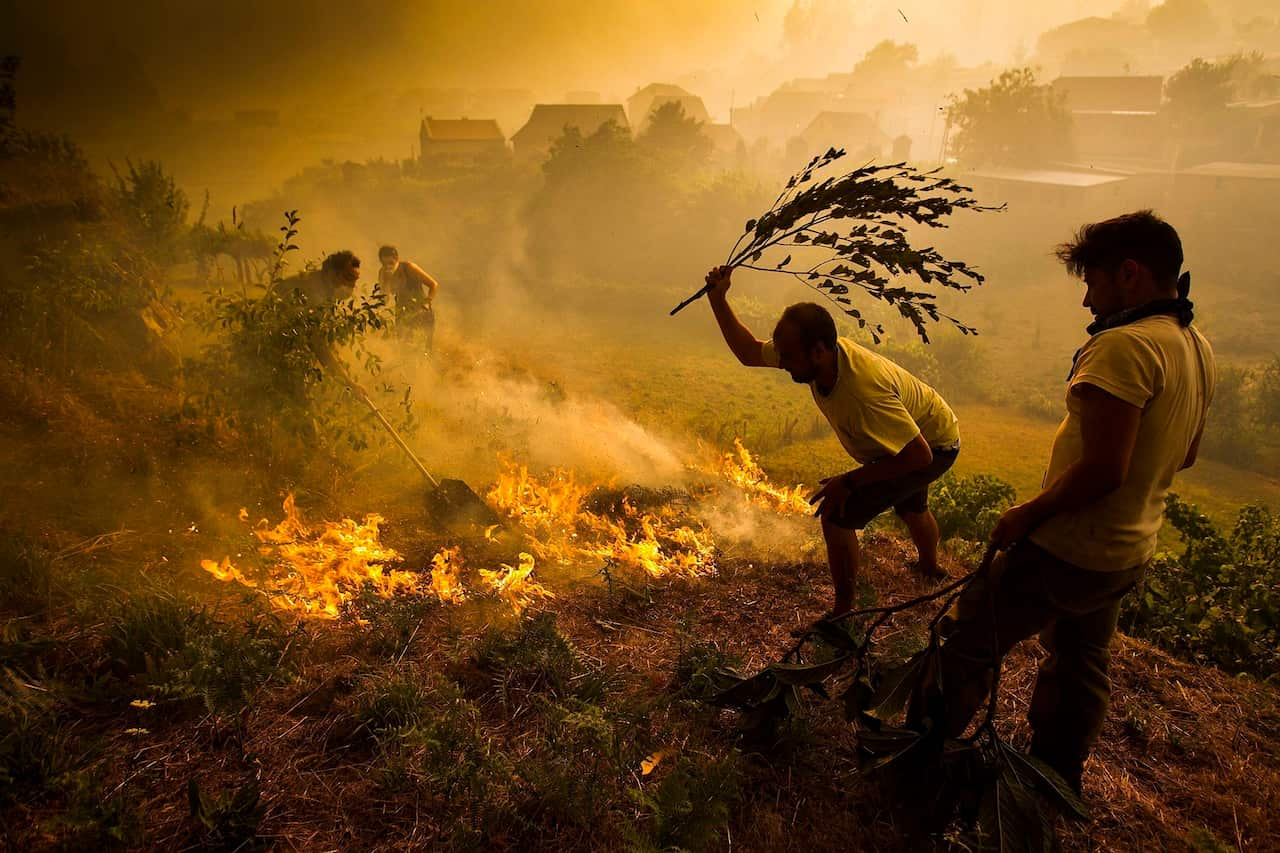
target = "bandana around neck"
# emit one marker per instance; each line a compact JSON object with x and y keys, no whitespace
{"x":1180,"y":307}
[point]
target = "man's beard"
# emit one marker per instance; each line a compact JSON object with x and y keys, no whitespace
{"x":802,"y":379}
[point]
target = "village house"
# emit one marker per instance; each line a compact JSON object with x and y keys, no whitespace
{"x":460,"y":142}
{"x":641,"y":105}
{"x":1115,"y":121}
{"x":857,"y":133}
{"x":547,"y":123}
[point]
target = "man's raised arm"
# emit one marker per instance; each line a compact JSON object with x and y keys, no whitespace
{"x":741,"y":340}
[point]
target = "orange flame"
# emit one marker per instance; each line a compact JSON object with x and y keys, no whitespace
{"x":557,"y":527}
{"x":317,"y":570}
{"x":446,"y":584}
{"x":740,"y":468}
{"x":512,"y":584}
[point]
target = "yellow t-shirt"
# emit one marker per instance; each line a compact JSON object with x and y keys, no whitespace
{"x":877,"y":407}
{"x":1165,"y":369}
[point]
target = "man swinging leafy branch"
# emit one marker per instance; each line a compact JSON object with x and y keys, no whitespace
{"x":901,"y":430}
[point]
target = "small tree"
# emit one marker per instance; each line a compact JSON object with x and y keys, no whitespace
{"x":676,"y":137}
{"x":1198,"y":93}
{"x":1014,"y":121}
{"x":154,"y":204}
{"x":888,"y":60}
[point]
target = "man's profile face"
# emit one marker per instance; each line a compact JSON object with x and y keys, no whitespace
{"x":1105,"y":290}
{"x":793,"y":356}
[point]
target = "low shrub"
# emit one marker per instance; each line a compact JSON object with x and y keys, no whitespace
{"x":1219,"y":600}
{"x":968,"y":507}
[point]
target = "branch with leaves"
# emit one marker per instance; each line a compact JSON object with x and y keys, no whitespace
{"x":853,"y":225}
{"x":989,"y":783}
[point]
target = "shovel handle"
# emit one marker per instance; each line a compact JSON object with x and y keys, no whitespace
{"x":400,"y":441}
{"x":364,"y":397}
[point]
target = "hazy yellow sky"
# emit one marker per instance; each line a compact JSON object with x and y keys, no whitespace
{"x":237,"y":53}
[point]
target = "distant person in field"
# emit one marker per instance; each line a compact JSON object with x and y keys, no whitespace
{"x":414,"y":291}
{"x":1137,"y":397}
{"x":900,"y":430}
{"x":335,"y":281}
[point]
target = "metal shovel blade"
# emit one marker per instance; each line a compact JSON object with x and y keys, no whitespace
{"x":454,"y":502}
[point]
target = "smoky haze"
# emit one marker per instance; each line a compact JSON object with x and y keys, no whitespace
{"x":206,"y":58}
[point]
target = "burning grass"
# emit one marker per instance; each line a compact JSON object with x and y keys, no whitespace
{"x":317,"y":570}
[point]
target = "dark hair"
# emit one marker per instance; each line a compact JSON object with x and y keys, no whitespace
{"x":1141,"y":236}
{"x":388,"y":251}
{"x":812,"y":321}
{"x":338,"y":261}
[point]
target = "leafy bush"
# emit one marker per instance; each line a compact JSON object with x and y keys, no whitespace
{"x":26,"y":571}
{"x":688,"y":808}
{"x":36,"y":750}
{"x":228,"y":820}
{"x":154,"y":207}
{"x":80,"y":301}
{"x":696,"y":669}
{"x":95,"y":819}
{"x":262,"y":371}
{"x":393,"y":702}
{"x":537,"y":658}
{"x":179,"y":651}
{"x":968,"y":507}
{"x":431,"y":739}
{"x":1219,"y":601}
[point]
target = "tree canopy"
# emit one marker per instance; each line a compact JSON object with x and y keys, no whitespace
{"x":1013,"y":121}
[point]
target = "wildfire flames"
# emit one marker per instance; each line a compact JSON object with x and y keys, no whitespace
{"x":559,"y":528}
{"x":315,"y":570}
{"x":513,"y":586}
{"x":318,"y":569}
{"x":741,"y":469}
{"x":446,"y":580}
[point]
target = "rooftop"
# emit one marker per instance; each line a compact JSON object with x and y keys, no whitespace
{"x":461,"y":129}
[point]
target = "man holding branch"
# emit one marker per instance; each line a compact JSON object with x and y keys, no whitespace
{"x":1136,"y":401}
{"x":900,"y":430}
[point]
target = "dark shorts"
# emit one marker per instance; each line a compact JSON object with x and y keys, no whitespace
{"x":906,"y":494}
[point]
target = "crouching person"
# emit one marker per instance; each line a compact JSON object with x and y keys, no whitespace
{"x":901,"y":430}
{"x":1137,"y":397}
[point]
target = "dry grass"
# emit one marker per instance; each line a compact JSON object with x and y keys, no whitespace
{"x":1185,"y":748}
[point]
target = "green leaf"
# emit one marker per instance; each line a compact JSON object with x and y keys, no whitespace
{"x":837,"y":634}
{"x":888,"y":746}
{"x":895,"y":688}
{"x":1035,"y":773}
{"x":809,"y":673}
{"x":1010,"y":820}
{"x":748,"y":692}
{"x":856,"y":698}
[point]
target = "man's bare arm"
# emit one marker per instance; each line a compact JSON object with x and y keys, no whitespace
{"x":1109,"y":429}
{"x":741,"y":340}
{"x":916,"y":455}
{"x":425,"y":277}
